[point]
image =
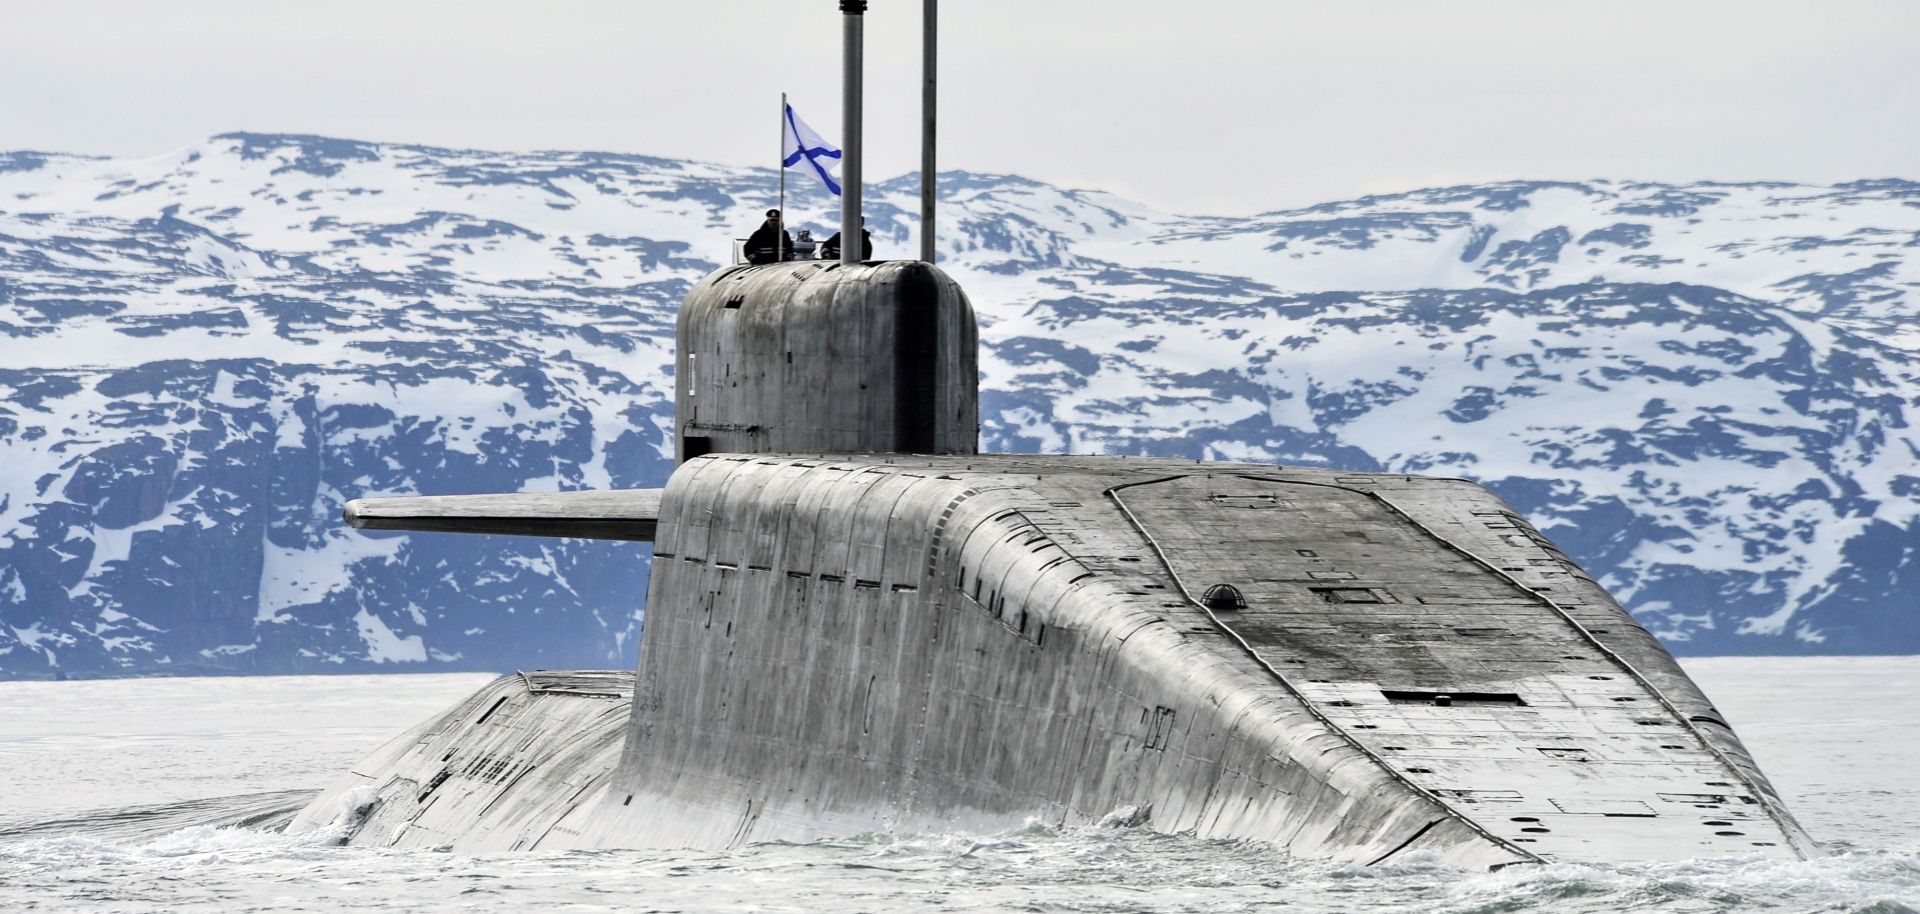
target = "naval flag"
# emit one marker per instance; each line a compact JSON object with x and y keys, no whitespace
{"x":806,"y":150}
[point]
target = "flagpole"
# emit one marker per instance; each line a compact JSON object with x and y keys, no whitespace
{"x":778,"y":240}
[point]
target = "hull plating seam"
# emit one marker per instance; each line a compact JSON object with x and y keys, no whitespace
{"x":1305,"y":700}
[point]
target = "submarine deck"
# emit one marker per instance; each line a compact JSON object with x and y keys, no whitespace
{"x":1473,"y":680}
{"x":1420,"y":620}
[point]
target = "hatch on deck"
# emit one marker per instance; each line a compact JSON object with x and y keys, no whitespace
{"x":1451,"y":698}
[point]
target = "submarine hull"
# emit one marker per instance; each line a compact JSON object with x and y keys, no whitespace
{"x":847,"y":644}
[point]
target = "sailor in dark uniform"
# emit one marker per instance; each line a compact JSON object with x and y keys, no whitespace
{"x":769,"y":243}
{"x":830,"y":249}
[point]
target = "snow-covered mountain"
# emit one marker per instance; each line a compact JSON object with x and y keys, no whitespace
{"x":1705,"y":392}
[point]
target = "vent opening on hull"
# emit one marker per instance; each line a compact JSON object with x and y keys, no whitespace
{"x":1483,"y":796}
{"x":490,"y":709}
{"x":1347,"y":595}
{"x":1703,"y":800}
{"x":1450,"y":698}
{"x":1247,"y":501}
{"x":696,"y":446}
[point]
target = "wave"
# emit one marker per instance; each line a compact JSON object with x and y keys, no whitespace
{"x":117,"y":861}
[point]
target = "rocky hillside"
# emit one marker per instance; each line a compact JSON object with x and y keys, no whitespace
{"x":1706,"y":392}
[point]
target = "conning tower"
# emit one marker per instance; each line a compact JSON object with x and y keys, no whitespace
{"x":823,"y":357}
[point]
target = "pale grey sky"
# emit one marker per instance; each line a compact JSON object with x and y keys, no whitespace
{"x":1204,"y":106}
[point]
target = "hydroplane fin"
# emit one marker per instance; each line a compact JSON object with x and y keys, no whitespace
{"x":620,"y":514}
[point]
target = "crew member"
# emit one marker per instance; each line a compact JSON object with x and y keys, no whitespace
{"x":830,"y":249}
{"x":769,"y":243}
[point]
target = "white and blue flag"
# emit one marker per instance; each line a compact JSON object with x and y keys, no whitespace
{"x":808,"y":152}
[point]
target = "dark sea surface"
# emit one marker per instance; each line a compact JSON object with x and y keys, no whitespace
{"x":100,"y":780}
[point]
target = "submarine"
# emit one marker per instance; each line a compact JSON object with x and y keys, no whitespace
{"x":857,"y":623}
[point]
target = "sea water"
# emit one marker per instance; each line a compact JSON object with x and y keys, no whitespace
{"x":98,"y":781}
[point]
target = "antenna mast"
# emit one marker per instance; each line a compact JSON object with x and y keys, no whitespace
{"x":852,"y":242}
{"x":929,"y":47}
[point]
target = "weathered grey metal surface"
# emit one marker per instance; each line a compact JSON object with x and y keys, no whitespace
{"x":814,"y":357}
{"x":837,"y":645}
{"x":502,"y":770}
{"x":623,"y":514}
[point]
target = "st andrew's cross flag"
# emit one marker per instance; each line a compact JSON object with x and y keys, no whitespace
{"x":809,"y":152}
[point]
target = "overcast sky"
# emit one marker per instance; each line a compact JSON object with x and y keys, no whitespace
{"x":1201,"y":106}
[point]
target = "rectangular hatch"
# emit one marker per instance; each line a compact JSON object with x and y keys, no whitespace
{"x":1611,"y":808}
{"x":1446,"y":698}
